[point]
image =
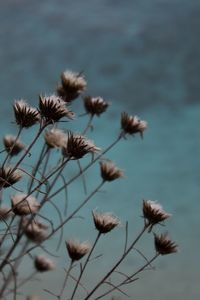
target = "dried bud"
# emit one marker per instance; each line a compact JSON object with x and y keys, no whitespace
{"x":77,"y":146}
{"x":77,"y":250}
{"x":109,"y":171}
{"x":132,"y":124}
{"x":153,"y":213}
{"x":55,"y":138}
{"x":43,"y":264}
{"x":34,"y":230}
{"x":53,"y":108}
{"x":72,"y":85}
{"x":5,"y":213}
{"x":25,"y":115}
{"x":164,"y":245}
{"x":95,"y":106}
{"x":105,"y":222}
{"x":9,"y":176}
{"x":12,"y":145}
{"x":23,"y":205}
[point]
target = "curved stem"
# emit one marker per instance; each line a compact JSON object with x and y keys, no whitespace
{"x":65,"y":281}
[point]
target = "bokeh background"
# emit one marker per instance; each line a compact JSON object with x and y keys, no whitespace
{"x":144,"y":57}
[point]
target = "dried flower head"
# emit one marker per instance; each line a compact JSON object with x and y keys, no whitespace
{"x":53,"y":108}
{"x":105,"y":222}
{"x":43,"y":264}
{"x":164,"y":245}
{"x":12,"y":145}
{"x":109,"y":171}
{"x":77,"y":146}
{"x":24,"y":205}
{"x":95,"y":106}
{"x":35,"y":230}
{"x":25,"y":115}
{"x":132,"y":124}
{"x":153,"y":213}
{"x":55,"y":138}
{"x":72,"y":85}
{"x":5,"y":213}
{"x":76,"y":249}
{"x":9,"y":176}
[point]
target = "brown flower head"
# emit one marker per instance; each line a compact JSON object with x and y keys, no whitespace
{"x":132,"y":124}
{"x":153,"y":213}
{"x":43,"y":264}
{"x":105,"y":222}
{"x":164,"y":245}
{"x":9,"y":176}
{"x":24,"y":207}
{"x":77,"y":250}
{"x":72,"y":85}
{"x":109,"y":171}
{"x":34,"y":230}
{"x":55,"y":138}
{"x":95,"y":106}
{"x":12,"y":145}
{"x":5,"y":213}
{"x":25,"y":115}
{"x":77,"y":146}
{"x":53,"y":108}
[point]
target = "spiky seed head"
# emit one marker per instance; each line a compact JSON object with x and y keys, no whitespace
{"x":24,"y":205}
{"x":153,"y":213}
{"x":35,"y":230}
{"x":5,"y":213}
{"x":9,"y":176}
{"x":55,"y":138}
{"x":132,"y":124}
{"x":72,"y":85}
{"x":164,"y":245}
{"x":105,"y":222}
{"x":12,"y":145}
{"x":95,"y":106}
{"x":25,"y":115}
{"x":43,"y":264}
{"x":76,"y":249}
{"x":109,"y":171}
{"x":53,"y":108}
{"x":78,"y":146}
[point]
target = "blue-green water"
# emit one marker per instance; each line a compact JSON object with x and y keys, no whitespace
{"x":144,"y":57}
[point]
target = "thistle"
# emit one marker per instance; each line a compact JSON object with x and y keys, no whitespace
{"x":9,"y":176}
{"x":105,"y":222}
{"x":12,"y":145}
{"x":95,"y":106}
{"x":109,"y":171}
{"x":132,"y":124}
{"x":25,"y":115}
{"x":43,"y":264}
{"x":55,"y":138}
{"x":24,"y":205}
{"x":76,"y":249}
{"x":164,"y":245}
{"x":34,"y":230}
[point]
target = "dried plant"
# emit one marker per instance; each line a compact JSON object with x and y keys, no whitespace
{"x":26,"y":224}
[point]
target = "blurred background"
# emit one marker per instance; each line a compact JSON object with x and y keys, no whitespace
{"x":144,"y":57}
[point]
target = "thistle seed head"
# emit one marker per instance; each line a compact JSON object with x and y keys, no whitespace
{"x":24,"y":207}
{"x":76,"y":249}
{"x":164,"y":245}
{"x":53,"y":108}
{"x":105,"y":222}
{"x":132,"y":124}
{"x":12,"y":146}
{"x":43,"y":264}
{"x":9,"y":176}
{"x":5,"y":213}
{"x":25,"y":115}
{"x":78,"y":146}
{"x":95,"y":106}
{"x":55,"y":138}
{"x":109,"y":171}
{"x":35,"y":231}
{"x":153,"y":213}
{"x":72,"y":85}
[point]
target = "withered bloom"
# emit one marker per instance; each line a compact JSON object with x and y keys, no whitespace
{"x":35,"y":231}
{"x":53,"y":108}
{"x":105,"y":222}
{"x":153,"y":213}
{"x":95,"y":106}
{"x":109,"y":171}
{"x":76,"y":249}
{"x":132,"y":124}
{"x":43,"y":264}
{"x":78,"y":146}
{"x":24,"y":207}
{"x":72,"y":85}
{"x":25,"y":115}
{"x":5,"y":213}
{"x":9,"y":176}
{"x":164,"y":245}
{"x":55,"y":138}
{"x":12,"y":146}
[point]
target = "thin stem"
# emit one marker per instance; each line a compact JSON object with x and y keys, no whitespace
{"x":88,"y":124}
{"x":65,"y":281}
